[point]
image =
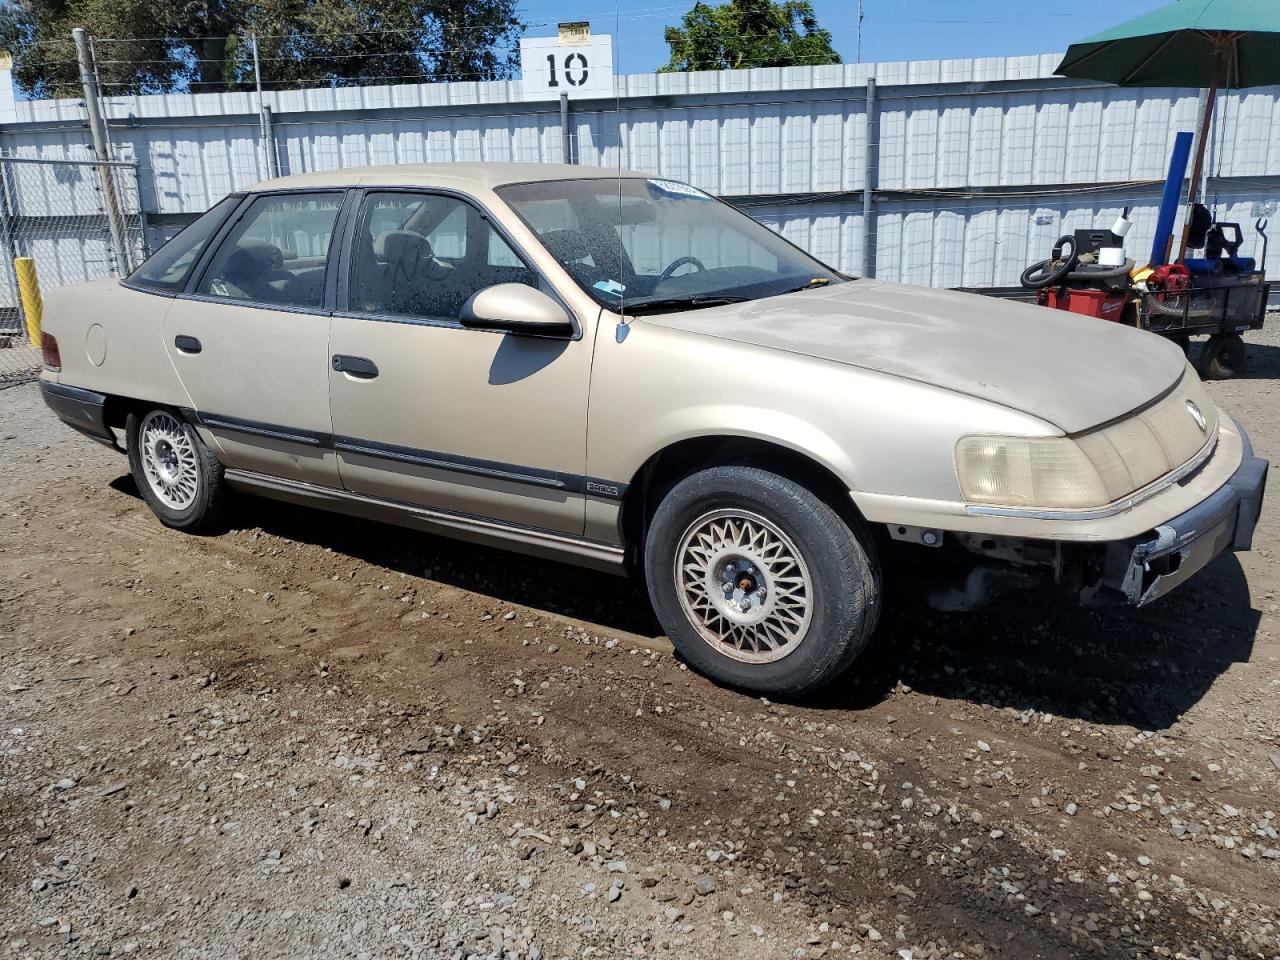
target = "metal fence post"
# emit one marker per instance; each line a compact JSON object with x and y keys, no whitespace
{"x":869,"y":167}
{"x":101,"y":148}
{"x":265,"y":133}
{"x":566,"y":137}
{"x":7,"y":238}
{"x":269,"y":143}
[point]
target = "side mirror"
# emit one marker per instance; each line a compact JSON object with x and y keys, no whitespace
{"x":516,"y":308}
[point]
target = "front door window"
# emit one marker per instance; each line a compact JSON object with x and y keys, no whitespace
{"x":423,"y":255}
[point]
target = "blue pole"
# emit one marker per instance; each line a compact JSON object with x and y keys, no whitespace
{"x":1171,"y":198}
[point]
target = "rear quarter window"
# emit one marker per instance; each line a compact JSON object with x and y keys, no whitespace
{"x":170,"y":266}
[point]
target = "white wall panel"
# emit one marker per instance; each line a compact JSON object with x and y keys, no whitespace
{"x":828,"y":168}
{"x":735,"y":151}
{"x":1053,"y":119}
{"x":704,"y":151}
{"x":978,"y":243}
{"x":766,"y":152}
{"x":891,"y":146}
{"x":920,"y":149}
{"x":673,"y":139}
{"x":796,"y":135}
{"x":1115,"y":148}
{"x":1018,"y":138}
{"x":797,"y":149}
{"x":985,"y":145}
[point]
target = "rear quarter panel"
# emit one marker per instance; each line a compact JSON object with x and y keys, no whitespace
{"x":111,"y":340}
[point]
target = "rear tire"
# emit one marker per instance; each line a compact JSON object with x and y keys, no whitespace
{"x":760,"y":584}
{"x":1222,"y":357}
{"x":178,"y":477}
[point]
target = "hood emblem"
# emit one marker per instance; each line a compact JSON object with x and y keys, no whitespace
{"x":1196,"y":415}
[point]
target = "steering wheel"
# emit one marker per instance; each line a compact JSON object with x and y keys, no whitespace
{"x":679,"y":262}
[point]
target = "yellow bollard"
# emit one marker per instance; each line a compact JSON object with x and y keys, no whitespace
{"x":29,"y":291}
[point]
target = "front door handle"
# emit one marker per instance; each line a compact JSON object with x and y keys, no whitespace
{"x":187,"y":344}
{"x":361,"y":368}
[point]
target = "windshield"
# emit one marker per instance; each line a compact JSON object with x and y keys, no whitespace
{"x":650,"y":245}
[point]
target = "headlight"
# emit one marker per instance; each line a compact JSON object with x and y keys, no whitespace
{"x":1028,"y":472}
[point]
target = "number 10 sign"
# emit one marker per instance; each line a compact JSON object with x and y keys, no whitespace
{"x":550,"y":67}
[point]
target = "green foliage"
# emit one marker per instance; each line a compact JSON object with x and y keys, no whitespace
{"x":153,"y":46}
{"x":749,"y":33}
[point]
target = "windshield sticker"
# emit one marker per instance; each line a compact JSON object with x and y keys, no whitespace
{"x":612,"y":287}
{"x":675,"y":186}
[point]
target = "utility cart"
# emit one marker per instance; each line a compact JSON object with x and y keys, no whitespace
{"x":1223,"y":306}
{"x":1221,"y":294}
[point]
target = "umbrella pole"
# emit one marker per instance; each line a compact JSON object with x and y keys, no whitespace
{"x":1206,"y":131}
{"x":1196,"y":168}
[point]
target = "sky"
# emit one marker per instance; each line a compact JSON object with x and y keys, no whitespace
{"x":891,"y":29}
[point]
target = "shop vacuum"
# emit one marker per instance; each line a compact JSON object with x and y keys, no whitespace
{"x":1087,"y":272}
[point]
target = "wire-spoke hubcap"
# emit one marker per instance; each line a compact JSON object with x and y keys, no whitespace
{"x":169,"y":460}
{"x":744,"y":586}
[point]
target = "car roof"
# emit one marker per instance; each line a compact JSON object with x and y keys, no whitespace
{"x":461,"y":176}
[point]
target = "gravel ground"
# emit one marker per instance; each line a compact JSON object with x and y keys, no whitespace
{"x":314,"y":737}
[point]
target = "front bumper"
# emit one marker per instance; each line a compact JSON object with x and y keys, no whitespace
{"x":1146,"y":567}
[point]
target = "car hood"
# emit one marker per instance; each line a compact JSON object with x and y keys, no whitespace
{"x":1074,"y":372}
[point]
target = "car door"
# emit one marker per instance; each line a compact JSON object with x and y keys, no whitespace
{"x":250,"y":339}
{"x":426,"y":411}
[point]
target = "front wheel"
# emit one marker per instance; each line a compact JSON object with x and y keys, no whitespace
{"x":175,"y":472}
{"x":760,"y":584}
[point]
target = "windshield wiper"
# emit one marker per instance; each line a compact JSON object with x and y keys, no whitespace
{"x":810,"y":285}
{"x":684,"y":303}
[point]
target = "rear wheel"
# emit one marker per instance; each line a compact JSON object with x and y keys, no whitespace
{"x":759,"y":583}
{"x":175,"y":472}
{"x":1222,"y":357}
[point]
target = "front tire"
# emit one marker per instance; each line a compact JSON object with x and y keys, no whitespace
{"x":176,"y":474}
{"x":1222,"y":357}
{"x":760,"y":584}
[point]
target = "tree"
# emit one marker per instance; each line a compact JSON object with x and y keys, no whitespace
{"x":749,"y":33}
{"x":154,"y":46}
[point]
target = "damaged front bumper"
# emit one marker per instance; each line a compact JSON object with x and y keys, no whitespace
{"x":1134,"y":569}
{"x":1144,"y":568}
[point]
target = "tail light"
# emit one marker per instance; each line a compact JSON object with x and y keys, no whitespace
{"x":49,"y":352}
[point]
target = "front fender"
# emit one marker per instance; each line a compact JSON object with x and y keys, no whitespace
{"x":877,"y":433}
{"x":742,"y":422}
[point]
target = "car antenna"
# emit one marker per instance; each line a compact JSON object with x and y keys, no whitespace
{"x":623,"y":323}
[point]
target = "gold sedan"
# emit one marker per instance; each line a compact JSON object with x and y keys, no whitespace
{"x":623,"y":372}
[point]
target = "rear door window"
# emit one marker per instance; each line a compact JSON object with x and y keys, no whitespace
{"x":276,"y":254}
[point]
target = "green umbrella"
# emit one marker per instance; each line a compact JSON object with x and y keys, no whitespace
{"x":1188,"y":43}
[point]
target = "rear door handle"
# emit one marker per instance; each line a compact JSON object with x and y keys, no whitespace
{"x":361,"y":368}
{"x":187,"y":344}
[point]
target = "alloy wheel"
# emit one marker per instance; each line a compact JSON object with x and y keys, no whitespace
{"x":169,"y":460}
{"x":744,"y":586}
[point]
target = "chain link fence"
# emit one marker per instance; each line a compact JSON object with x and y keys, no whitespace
{"x":77,"y":220}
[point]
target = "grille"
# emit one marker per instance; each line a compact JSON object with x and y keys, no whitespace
{"x":1140,"y":449}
